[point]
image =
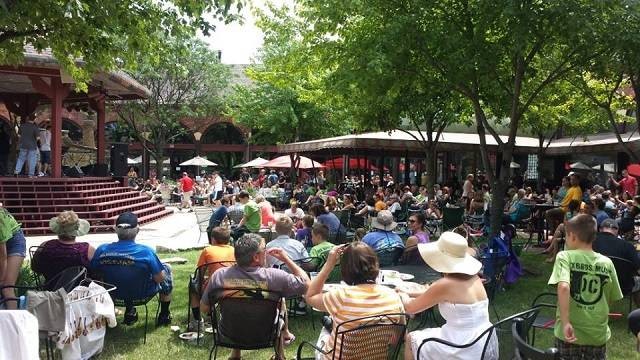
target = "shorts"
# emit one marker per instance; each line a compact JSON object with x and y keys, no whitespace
{"x":17,"y":245}
{"x":166,"y":286}
{"x":569,"y":351}
{"x":45,"y":157}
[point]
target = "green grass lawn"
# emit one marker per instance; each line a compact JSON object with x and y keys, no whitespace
{"x":126,"y":342}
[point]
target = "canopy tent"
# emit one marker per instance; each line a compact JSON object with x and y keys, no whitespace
{"x":257,"y":162}
{"x":198,"y":161}
{"x":580,"y":166}
{"x":138,"y":160}
{"x":285,"y":162}
{"x":610,"y":168}
{"x":354,"y":163}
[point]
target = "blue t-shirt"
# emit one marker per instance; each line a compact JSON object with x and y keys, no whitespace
{"x":382,"y":239}
{"x":331,"y":220}
{"x":601,"y":216}
{"x":133,"y":254}
{"x":218,"y":216}
{"x":304,"y":236}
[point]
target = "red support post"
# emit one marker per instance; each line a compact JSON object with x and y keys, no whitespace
{"x":101,"y":143}
{"x":56,"y":127}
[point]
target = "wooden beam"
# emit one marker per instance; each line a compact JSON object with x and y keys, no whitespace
{"x":58,"y":91}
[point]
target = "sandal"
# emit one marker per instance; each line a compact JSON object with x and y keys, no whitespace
{"x":288,"y":341}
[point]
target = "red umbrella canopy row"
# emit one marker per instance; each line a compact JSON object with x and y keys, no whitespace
{"x":354,"y":163}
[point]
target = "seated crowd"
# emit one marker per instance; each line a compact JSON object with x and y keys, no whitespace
{"x":325,"y":233}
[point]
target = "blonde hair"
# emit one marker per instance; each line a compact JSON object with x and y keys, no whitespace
{"x":284,"y":225}
{"x":259,"y":198}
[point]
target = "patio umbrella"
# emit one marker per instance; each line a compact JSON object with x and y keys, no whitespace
{"x":285,"y":162}
{"x":354,"y":163}
{"x":257,"y":162}
{"x":514,"y":165}
{"x":198,"y":161}
{"x":134,"y":161}
{"x":580,"y":166}
{"x":634,"y":169}
{"x":610,"y":168}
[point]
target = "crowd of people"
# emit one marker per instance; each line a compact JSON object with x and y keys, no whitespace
{"x":342,"y":231}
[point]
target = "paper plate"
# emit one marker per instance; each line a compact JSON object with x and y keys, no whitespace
{"x":405,"y":276}
{"x":191,"y":335}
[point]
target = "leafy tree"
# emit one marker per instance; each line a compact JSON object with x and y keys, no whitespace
{"x":104,"y":34}
{"x":188,"y":82}
{"x":499,"y":55}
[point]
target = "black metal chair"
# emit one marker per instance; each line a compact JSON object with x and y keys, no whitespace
{"x":494,"y":265}
{"x":132,"y":289}
{"x":625,"y":270}
{"x":546,"y":318}
{"x":452,"y":217}
{"x":389,"y":256}
{"x":524,"y":351}
{"x":499,"y":329}
{"x":245,"y":319}
{"x":199,"y":280}
{"x":372,"y":337}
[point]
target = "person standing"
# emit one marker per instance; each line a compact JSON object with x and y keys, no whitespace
{"x":628,"y":183}
{"x":467,"y":189}
{"x":29,"y":135}
{"x":218,"y":189}
{"x":45,"y":150}
{"x":186,"y":185}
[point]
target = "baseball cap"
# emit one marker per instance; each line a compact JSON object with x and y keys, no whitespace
{"x":609,"y":223}
{"x":127,"y":220}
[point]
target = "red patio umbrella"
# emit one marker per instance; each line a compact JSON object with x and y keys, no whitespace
{"x":354,"y":163}
{"x":634,"y":170}
{"x":285,"y":162}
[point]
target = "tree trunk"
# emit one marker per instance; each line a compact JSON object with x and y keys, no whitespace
{"x":614,"y":127}
{"x":541,"y":151}
{"x":430,"y":155}
{"x":635,"y":84}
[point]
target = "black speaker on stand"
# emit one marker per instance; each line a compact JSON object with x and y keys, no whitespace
{"x":119,"y":155}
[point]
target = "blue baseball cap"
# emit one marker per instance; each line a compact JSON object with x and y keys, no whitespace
{"x":127,"y":220}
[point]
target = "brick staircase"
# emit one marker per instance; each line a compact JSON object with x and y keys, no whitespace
{"x":98,"y":200}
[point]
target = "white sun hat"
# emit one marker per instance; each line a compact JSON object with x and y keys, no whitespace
{"x":449,"y":255}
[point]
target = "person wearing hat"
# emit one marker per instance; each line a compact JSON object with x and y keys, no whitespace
{"x":140,"y":256}
{"x":461,"y":299}
{"x":56,"y":255}
{"x":383,"y":236}
{"x":609,"y":244}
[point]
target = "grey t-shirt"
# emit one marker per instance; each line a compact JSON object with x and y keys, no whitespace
{"x":255,"y":277}
{"x":294,"y":248}
{"x":29,"y":133}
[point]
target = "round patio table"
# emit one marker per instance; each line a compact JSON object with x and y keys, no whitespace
{"x":423,"y":274}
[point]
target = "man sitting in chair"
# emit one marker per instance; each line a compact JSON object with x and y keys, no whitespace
{"x":140,"y":256}
{"x":383,"y":236}
{"x":250,"y":273}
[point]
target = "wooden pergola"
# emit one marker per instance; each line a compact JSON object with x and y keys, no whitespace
{"x":39,"y":80}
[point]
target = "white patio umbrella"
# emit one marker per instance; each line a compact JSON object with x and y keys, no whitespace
{"x":580,"y":166}
{"x":514,"y":165}
{"x":134,"y":161}
{"x":198,"y":161}
{"x":610,"y":168}
{"x":257,"y":162}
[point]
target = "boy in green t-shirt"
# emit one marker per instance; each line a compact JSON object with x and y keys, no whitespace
{"x":586,"y":284}
{"x":321,"y":247}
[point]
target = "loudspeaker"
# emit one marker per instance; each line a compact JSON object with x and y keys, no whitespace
{"x":73,"y":171}
{"x":101,"y":170}
{"x":119,"y":154}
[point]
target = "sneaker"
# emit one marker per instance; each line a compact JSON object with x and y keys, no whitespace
{"x":164,"y":319}
{"x":193,"y":325}
{"x":130,"y":317}
{"x":40,"y":174}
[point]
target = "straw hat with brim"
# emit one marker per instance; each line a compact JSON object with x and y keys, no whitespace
{"x":384,"y":221}
{"x":449,"y":255}
{"x":79,"y":228}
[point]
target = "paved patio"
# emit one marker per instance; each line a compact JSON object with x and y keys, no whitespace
{"x":178,"y":231}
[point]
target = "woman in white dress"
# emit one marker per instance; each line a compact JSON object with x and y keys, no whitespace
{"x":461,"y":299}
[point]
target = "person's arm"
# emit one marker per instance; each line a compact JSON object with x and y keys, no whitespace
{"x":432,"y":296}
{"x":159,"y":277}
{"x":3,"y":259}
{"x":314,"y":292}
{"x":563,"y":306}
{"x":613,"y":181}
{"x":90,"y":252}
{"x":291,"y":265}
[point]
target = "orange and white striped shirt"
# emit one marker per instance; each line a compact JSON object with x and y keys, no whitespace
{"x":353,"y":302}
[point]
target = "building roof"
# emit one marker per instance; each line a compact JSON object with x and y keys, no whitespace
{"x":401,"y":141}
{"x":117,"y":84}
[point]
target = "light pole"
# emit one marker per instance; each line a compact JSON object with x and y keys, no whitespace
{"x":197,"y":135}
{"x":145,"y":154}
